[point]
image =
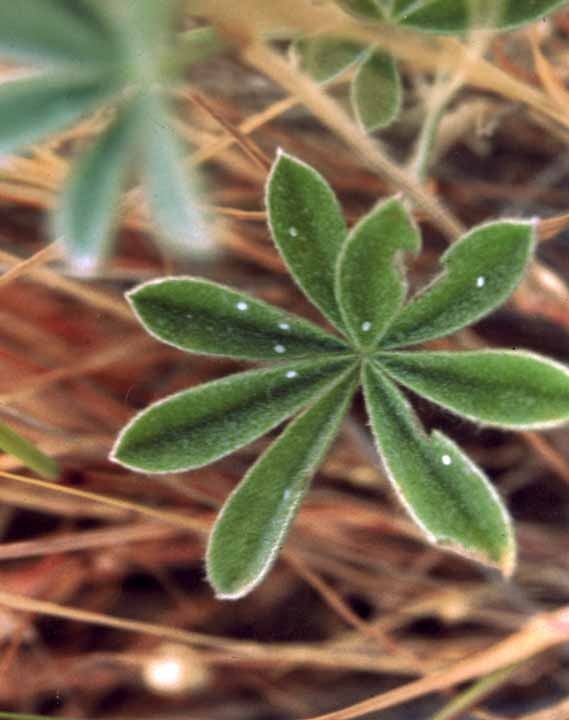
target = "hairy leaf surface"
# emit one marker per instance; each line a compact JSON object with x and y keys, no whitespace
{"x":35,"y":106}
{"x":452,"y":16}
{"x":308,"y":229}
{"x":376,"y":91}
{"x":496,"y":387}
{"x":481,"y":271}
{"x":197,"y":426}
{"x":202,"y":316}
{"x":169,"y":188}
{"x":370,"y":286}
{"x":445,"y":493}
{"x":326,"y":57}
{"x":87,"y":212}
{"x":56,"y":31}
{"x":256,"y":517}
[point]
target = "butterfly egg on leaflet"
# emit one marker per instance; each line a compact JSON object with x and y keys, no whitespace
{"x":280,"y":349}
{"x":291,"y":374}
{"x":293,"y":232}
{"x":366,"y":326}
{"x":446,"y":460}
{"x":284,"y":326}
{"x":480,"y":281}
{"x":242,"y":306}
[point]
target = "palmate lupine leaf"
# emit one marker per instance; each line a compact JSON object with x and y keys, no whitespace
{"x":308,"y":228}
{"x":481,"y":271}
{"x":444,"y":492}
{"x":510,"y":389}
{"x":369,"y":282}
{"x":451,"y":16}
{"x":357,"y":279}
{"x":195,"y":427}
{"x":87,"y":210}
{"x":33,"y":107}
{"x":257,"y":515}
{"x":56,"y":31}
{"x":376,"y":91}
{"x":204,"y":317}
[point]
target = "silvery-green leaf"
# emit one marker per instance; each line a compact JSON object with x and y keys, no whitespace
{"x":363,"y":9}
{"x":370,"y":285}
{"x":195,"y":427}
{"x":308,"y":228}
{"x":255,"y":519}
{"x":444,"y":492}
{"x":327,"y":56}
{"x":456,"y":16}
{"x":35,"y":106}
{"x":481,"y":271}
{"x":204,"y":317}
{"x":169,"y":187}
{"x":376,"y":91}
{"x":496,"y":387}
{"x":86,"y":214}
{"x":56,"y":31}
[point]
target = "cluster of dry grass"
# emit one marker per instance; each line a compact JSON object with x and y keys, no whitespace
{"x":104,"y":611}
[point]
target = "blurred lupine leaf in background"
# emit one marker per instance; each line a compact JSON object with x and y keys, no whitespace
{"x":355,"y":277}
{"x":123,"y":57}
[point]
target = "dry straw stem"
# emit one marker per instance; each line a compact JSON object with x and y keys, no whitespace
{"x":542,"y":632}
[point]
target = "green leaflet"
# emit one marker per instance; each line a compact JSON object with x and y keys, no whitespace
{"x":195,"y":427}
{"x":168,"y":188}
{"x":308,"y":228}
{"x":481,"y":271}
{"x":56,"y":31}
{"x":326,"y":57}
{"x":37,"y":105}
{"x":87,"y":211}
{"x":496,"y":387}
{"x":455,"y":16}
{"x":445,"y":493}
{"x":376,"y":91}
{"x":369,"y":284}
{"x":205,"y":317}
{"x":256,"y":517}
{"x":17,"y":446}
{"x":364,"y":9}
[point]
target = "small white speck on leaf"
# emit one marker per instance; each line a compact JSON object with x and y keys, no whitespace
{"x":280,"y":349}
{"x":293,"y":232}
{"x":292,"y":374}
{"x":480,"y":282}
{"x":284,"y":326}
{"x":447,"y":460}
{"x":366,"y":326}
{"x":242,"y":306}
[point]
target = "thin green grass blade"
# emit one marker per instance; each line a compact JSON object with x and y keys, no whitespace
{"x":195,"y":427}
{"x":308,"y":228}
{"x":33,"y":458}
{"x":509,"y":389}
{"x":448,"y":497}
{"x":370,"y":285}
{"x":201,"y":316}
{"x":257,"y":516}
{"x":481,"y":271}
